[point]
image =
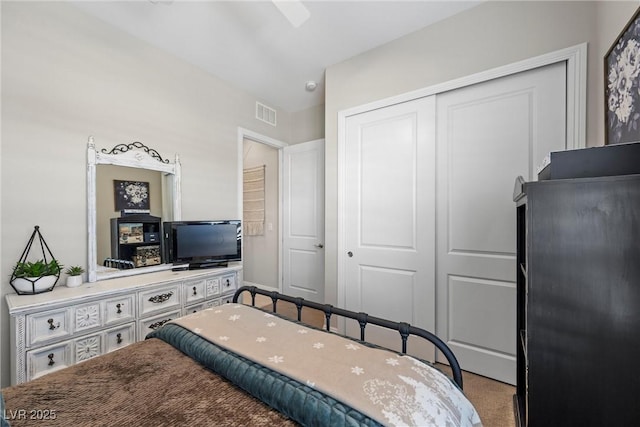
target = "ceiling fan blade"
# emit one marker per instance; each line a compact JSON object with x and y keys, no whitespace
{"x":293,"y":10}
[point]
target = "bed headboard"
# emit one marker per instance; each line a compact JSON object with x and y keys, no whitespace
{"x":363,"y":319}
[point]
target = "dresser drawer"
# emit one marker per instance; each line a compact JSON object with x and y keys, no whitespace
{"x":47,"y":326}
{"x":120,"y":309}
{"x":196,"y":308}
{"x":87,"y":347}
{"x":219,"y":301}
{"x":213,"y":286}
{"x":48,"y":359}
{"x":151,"y":324}
{"x":194,"y":291}
{"x":87,"y":317}
{"x":228,"y":284}
{"x":160,"y":299}
{"x":226,"y":300}
{"x":213,"y":303}
{"x":120,"y":337}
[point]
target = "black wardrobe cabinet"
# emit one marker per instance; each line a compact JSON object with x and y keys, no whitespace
{"x":578,"y":296}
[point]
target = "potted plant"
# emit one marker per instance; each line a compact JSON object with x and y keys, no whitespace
{"x":74,"y":276}
{"x":35,"y":277}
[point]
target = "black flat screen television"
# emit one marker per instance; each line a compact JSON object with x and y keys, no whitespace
{"x":203,"y":244}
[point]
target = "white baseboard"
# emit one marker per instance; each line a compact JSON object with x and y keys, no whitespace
{"x":259,"y":285}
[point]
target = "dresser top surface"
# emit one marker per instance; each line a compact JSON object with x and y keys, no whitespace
{"x":61,"y":294}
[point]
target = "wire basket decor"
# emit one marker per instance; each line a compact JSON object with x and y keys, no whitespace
{"x":35,"y":277}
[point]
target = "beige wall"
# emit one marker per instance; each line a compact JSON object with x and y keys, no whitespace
{"x":67,"y":75}
{"x":307,"y":125}
{"x":485,"y":37}
{"x":260,"y":253}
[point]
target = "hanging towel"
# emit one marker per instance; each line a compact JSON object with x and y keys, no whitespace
{"x":253,"y":201}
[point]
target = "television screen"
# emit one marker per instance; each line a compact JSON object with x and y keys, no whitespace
{"x":200,"y":243}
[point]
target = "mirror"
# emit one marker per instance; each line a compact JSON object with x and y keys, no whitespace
{"x":132,"y":162}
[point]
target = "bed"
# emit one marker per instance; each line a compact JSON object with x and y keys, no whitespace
{"x":239,"y":365}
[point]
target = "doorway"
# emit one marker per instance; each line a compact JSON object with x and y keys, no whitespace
{"x":260,"y":214}
{"x":284,"y":250}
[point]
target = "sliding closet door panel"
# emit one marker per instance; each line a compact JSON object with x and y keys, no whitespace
{"x":488,"y":134}
{"x":389,"y":216}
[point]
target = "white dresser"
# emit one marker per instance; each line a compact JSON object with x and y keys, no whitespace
{"x":52,"y":330}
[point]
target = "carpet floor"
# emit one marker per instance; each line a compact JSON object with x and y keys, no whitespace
{"x":492,"y":399}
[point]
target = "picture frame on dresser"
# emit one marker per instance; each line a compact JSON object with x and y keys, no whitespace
{"x":622,"y":85}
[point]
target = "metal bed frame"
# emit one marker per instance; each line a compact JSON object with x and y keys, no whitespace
{"x":363,"y":319}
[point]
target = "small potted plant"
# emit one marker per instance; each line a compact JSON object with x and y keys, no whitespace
{"x":74,"y":276}
{"x":35,"y":277}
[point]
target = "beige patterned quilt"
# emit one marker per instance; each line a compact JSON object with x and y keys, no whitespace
{"x":389,"y":388}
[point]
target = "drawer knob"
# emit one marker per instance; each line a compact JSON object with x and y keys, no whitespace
{"x":51,"y":361}
{"x":159,"y":299}
{"x":119,"y":338}
{"x":156,"y":325}
{"x":51,"y":325}
{"x":119,"y":307}
{"x":195,"y":292}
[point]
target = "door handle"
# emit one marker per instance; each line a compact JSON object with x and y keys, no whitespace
{"x":349,"y":254}
{"x":319,"y":245}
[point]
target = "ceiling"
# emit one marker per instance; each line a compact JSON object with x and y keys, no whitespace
{"x":252,"y":45}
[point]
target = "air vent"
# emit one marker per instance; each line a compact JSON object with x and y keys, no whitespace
{"x":265,"y":114}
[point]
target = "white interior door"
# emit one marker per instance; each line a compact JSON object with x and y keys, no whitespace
{"x":387,"y":250}
{"x":303,"y":220}
{"x":488,"y":134}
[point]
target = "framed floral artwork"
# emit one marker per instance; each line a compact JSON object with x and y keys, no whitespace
{"x":622,"y":85}
{"x":131,"y":195}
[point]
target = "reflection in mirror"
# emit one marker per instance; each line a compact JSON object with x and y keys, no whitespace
{"x":135,"y":163}
{"x":106,"y":203}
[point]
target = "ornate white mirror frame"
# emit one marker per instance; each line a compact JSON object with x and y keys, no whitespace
{"x":134,"y":155}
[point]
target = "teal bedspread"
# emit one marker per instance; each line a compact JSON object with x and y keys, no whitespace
{"x":292,"y":398}
{"x":3,"y":420}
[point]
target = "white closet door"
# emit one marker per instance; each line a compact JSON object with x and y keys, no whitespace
{"x":388,"y":248}
{"x":488,"y":134}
